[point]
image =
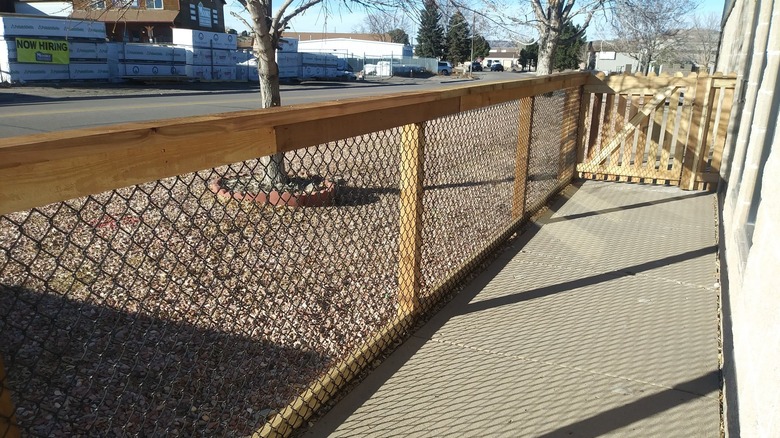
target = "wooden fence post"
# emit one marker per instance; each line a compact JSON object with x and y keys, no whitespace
{"x":584,"y":132}
{"x":595,"y":128}
{"x":684,"y":130}
{"x":697,"y":138}
{"x":567,"y":162}
{"x":410,"y":219}
{"x":8,"y":426}
{"x":725,"y":111}
{"x":522,"y":155}
{"x":582,"y":138}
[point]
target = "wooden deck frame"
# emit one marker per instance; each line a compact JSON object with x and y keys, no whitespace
{"x":64,"y":165}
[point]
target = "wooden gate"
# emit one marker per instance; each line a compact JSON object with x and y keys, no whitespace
{"x":655,"y":129}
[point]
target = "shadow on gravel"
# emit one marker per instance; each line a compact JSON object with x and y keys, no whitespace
{"x":82,"y":368}
{"x":346,"y":195}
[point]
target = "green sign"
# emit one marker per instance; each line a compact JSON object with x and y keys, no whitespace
{"x":42,"y":51}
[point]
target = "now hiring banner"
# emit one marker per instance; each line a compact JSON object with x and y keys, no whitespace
{"x":42,"y":51}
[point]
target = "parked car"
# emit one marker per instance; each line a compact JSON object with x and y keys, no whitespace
{"x":476,"y":66}
{"x":346,"y":75}
{"x":445,"y":68}
{"x":408,"y":70}
{"x":496,"y":67}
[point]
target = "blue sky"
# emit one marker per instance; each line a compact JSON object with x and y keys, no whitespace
{"x":341,"y":20}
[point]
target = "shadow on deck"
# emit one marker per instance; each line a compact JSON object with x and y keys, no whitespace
{"x":600,"y":319}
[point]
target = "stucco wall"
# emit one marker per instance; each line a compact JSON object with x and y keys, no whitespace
{"x":615,"y":62}
{"x":751,"y":220}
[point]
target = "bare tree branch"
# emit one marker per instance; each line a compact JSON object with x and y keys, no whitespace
{"x":297,"y":11}
{"x":648,"y":30}
{"x":240,"y":18}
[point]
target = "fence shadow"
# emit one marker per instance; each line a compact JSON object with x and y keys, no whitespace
{"x":80,"y":369}
{"x":635,"y":411}
{"x":463,"y":304}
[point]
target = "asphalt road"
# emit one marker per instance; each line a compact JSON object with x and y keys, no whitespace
{"x":34,"y":109}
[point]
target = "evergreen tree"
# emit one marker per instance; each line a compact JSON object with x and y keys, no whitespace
{"x":430,"y":36}
{"x":569,"y":52}
{"x":481,"y":46}
{"x":529,"y":56}
{"x":399,"y":36}
{"x":458,"y":39}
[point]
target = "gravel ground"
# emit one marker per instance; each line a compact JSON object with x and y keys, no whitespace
{"x":161,"y":309}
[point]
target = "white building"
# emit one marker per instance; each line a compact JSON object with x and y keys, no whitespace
{"x":347,"y":47}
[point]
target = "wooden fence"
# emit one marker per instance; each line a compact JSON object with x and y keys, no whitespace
{"x":46,"y":168}
{"x":655,"y":129}
{"x":54,"y":167}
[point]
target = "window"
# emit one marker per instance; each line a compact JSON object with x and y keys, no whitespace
{"x":608,"y":55}
{"x":125,"y":3}
{"x":154,"y":4}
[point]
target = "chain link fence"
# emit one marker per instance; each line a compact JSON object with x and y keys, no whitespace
{"x":193,"y":306}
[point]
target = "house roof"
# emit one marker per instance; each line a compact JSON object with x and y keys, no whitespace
{"x":336,"y":40}
{"x":306,"y":36}
{"x":127,"y":15}
{"x":502,"y":44}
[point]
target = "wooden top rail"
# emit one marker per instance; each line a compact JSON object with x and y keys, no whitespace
{"x":44,"y":168}
{"x":649,"y":85}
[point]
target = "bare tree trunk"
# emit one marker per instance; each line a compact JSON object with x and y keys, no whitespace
{"x":550,"y":19}
{"x":591,"y":57}
{"x":270,"y":96}
{"x":548,"y":44}
{"x":268,"y":72}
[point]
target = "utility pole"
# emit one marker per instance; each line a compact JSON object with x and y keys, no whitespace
{"x":473,"y":32}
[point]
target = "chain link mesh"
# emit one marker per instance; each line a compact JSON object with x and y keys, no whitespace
{"x":545,"y":162}
{"x":469,"y":171}
{"x":183,"y":307}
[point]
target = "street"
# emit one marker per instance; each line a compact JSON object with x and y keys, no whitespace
{"x":28,"y":110}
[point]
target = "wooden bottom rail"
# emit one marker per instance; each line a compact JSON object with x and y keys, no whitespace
{"x":321,"y":390}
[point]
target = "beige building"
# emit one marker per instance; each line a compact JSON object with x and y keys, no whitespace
{"x":750,"y":202}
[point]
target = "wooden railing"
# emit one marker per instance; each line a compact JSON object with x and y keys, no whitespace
{"x":56,"y":166}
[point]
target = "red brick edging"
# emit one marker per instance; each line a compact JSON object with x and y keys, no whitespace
{"x":317,"y":198}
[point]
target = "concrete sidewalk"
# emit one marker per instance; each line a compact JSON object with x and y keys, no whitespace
{"x":601,"y":319}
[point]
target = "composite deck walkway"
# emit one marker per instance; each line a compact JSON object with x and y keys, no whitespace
{"x":601,"y":319}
